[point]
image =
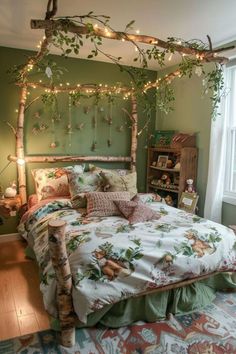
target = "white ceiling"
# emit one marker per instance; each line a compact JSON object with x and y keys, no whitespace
{"x":186,"y":19}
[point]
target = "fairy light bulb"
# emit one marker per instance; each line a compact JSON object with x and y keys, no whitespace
{"x":170,"y":57}
{"x":137,"y":31}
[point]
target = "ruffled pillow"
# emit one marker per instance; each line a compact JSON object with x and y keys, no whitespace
{"x":53,"y":182}
{"x":102,"y":203}
{"x":136,"y":211}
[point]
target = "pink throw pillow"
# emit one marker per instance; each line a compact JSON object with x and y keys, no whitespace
{"x":102,"y":203}
{"x":136,"y":212}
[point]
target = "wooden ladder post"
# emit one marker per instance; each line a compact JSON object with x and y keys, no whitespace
{"x":57,"y":248}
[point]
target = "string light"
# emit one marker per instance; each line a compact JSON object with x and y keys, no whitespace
{"x":137,"y":31}
{"x":170,"y":57}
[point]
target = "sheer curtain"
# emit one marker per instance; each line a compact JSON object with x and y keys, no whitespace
{"x":217,"y":160}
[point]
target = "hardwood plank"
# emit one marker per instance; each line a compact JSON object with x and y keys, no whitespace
{"x":28,"y":324}
{"x":21,"y":302}
{"x":7,"y":303}
{"x":25,"y":288}
{"x":9,"y":325}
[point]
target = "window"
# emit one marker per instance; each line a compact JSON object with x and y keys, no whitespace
{"x":230,"y":171}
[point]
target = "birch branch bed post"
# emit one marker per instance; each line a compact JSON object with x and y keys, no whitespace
{"x":20,"y":145}
{"x":134,"y":133}
{"x":58,"y":253}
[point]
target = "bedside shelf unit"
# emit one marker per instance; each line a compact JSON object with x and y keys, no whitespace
{"x":10,"y":206}
{"x":187,"y":156}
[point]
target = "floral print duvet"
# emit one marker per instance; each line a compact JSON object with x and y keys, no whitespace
{"x":112,"y":260}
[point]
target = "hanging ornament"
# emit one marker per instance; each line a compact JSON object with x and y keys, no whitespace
{"x":48,"y":72}
{"x":37,"y":115}
{"x":101,"y":109}
{"x":69,"y":125}
{"x":86,"y":109}
{"x":120,"y":129}
{"x":54,"y":144}
{"x":80,"y":126}
{"x":109,"y":140}
{"x":94,"y":146}
{"x":95,"y":124}
{"x":39,"y":128}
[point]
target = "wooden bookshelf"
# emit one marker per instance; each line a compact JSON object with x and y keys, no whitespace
{"x":187,"y":157}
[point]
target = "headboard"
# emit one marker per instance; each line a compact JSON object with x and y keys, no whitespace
{"x":20,"y":149}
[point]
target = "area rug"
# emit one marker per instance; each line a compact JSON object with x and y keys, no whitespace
{"x":210,"y":331}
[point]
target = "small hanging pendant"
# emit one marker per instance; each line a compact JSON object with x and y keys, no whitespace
{"x":120,"y":129}
{"x":53,"y":145}
{"x":109,"y":142}
{"x":37,"y":115}
{"x":94,"y":145}
{"x":86,"y":109}
{"x":80,"y":126}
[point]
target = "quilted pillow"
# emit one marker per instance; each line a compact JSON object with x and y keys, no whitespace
{"x":53,"y":182}
{"x":115,"y":183}
{"x":136,"y":211}
{"x":82,"y":183}
{"x":102,"y":204}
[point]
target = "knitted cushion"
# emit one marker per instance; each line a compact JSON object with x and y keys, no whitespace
{"x":102,"y":204}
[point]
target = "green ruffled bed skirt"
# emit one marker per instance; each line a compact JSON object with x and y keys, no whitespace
{"x":156,"y":306}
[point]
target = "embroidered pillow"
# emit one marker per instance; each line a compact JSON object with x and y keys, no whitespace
{"x":114,"y":183}
{"x":82,"y":183}
{"x":53,"y":182}
{"x":102,"y":203}
{"x":136,"y":212}
{"x":119,"y":171}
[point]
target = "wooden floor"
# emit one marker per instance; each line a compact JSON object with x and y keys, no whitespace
{"x":21,"y":305}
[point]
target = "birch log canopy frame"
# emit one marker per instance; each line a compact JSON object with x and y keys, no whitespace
{"x":69,"y":24}
{"x":57,"y":228}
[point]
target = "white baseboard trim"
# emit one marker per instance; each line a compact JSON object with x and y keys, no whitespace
{"x":10,"y":237}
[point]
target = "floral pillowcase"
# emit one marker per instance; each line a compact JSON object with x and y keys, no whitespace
{"x":53,"y":182}
{"x":82,"y":183}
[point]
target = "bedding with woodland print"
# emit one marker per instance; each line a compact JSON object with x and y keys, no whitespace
{"x":112,"y":260}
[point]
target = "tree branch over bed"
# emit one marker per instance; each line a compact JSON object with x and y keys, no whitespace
{"x":69,"y":26}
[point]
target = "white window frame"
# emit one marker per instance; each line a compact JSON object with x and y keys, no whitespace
{"x":230,"y":194}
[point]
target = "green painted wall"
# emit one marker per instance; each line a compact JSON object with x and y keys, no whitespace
{"x":79,"y":71}
{"x":192,"y":113}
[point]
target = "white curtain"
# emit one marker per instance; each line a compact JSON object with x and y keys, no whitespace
{"x":217,"y":161}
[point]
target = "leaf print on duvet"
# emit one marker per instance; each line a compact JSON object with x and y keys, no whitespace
{"x":165,"y":227}
{"x":109,"y":263}
{"x":199,"y":245}
{"x":77,"y":240}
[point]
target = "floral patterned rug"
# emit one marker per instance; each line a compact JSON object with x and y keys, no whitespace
{"x":210,"y":331}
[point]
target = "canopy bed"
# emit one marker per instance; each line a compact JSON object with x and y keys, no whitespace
{"x":124,"y":265}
